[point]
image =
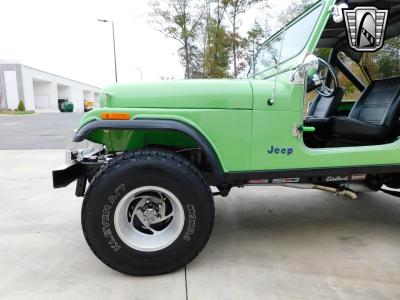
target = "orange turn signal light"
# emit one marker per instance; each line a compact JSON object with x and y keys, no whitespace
{"x":115,"y":116}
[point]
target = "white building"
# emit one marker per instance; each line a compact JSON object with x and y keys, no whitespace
{"x":40,"y":90}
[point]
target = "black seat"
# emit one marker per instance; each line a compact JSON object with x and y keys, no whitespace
{"x":320,"y":111}
{"x":324,"y":107}
{"x":373,"y":119}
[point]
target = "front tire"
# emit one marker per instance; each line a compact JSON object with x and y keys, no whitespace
{"x":147,"y":212}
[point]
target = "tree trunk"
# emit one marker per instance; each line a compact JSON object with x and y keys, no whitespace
{"x":187,"y":60}
{"x":217,"y":32}
{"x":234,"y":48}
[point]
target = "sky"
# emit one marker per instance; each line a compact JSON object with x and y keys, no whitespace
{"x":65,"y":38}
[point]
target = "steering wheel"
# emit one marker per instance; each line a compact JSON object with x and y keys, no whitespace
{"x":320,"y":78}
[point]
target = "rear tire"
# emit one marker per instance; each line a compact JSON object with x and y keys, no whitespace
{"x":147,"y":212}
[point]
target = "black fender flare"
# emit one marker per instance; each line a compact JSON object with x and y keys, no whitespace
{"x":159,"y":124}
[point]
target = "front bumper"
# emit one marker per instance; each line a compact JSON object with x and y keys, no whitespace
{"x":80,"y":171}
{"x":83,"y":160}
{"x":64,"y":177}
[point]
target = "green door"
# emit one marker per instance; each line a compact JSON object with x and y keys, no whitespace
{"x":275,"y":144}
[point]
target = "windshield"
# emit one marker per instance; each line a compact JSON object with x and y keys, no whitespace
{"x":268,"y":56}
{"x":286,"y":45}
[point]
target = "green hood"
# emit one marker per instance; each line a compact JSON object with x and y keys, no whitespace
{"x":209,"y":94}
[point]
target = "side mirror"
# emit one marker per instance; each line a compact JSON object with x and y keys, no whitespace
{"x":311,"y":64}
{"x":307,"y":69}
{"x":337,"y":12}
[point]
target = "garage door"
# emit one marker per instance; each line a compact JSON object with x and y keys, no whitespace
{"x":42,"y":101}
{"x":10,"y":78}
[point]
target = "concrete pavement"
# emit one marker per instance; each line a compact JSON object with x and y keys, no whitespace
{"x":270,"y":243}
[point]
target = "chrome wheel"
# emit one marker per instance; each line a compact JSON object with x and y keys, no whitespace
{"x":149,"y":218}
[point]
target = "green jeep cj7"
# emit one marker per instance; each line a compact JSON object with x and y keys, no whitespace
{"x":313,"y":113}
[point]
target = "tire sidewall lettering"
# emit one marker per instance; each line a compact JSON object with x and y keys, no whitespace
{"x":191,"y":222}
{"x":106,"y":219}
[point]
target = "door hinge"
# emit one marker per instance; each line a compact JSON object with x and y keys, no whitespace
{"x":298,"y":129}
{"x":296,"y":132}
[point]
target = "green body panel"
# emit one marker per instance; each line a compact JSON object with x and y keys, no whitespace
{"x":210,"y":94}
{"x":246,"y":132}
{"x":216,"y":125}
{"x":273,"y":125}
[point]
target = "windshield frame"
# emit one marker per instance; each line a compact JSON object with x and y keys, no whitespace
{"x":282,"y":31}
